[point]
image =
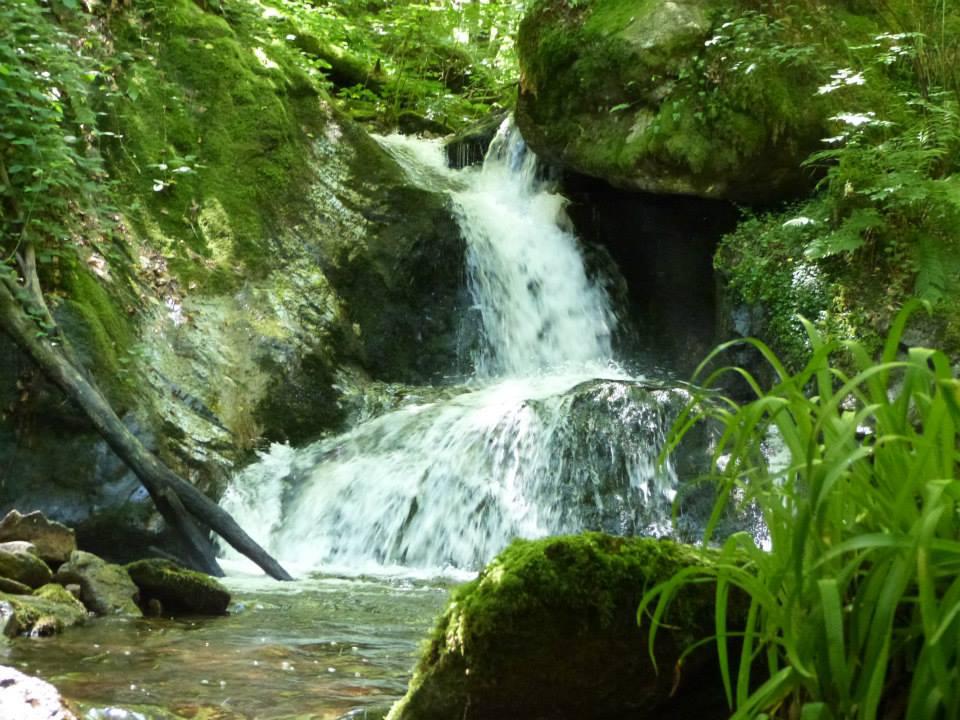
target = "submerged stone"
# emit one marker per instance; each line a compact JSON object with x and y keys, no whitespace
{"x":549,"y":630}
{"x":53,"y":541}
{"x":104,"y":588}
{"x":177,"y":589}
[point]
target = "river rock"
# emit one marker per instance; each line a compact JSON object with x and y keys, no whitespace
{"x":19,"y":562}
{"x":54,"y":541}
{"x":549,"y":630}
{"x":105,"y":589}
{"x":49,"y":610}
{"x":23,"y":697}
{"x":177,"y":589}
{"x":690,"y":97}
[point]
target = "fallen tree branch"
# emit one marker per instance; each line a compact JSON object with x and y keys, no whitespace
{"x":51,"y":353}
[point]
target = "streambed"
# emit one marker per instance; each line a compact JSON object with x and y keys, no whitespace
{"x":316,"y":649}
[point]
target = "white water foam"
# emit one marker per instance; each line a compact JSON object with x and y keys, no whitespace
{"x":535,"y":445}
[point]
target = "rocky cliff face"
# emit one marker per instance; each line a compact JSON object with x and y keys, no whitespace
{"x":267,"y":257}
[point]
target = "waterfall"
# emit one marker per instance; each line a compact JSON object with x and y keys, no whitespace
{"x":550,"y":436}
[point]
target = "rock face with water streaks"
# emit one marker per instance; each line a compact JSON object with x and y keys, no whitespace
{"x":282,"y":258}
{"x":672,"y":96}
{"x":549,"y":630}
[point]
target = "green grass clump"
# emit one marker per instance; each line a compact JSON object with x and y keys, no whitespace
{"x":855,"y":606}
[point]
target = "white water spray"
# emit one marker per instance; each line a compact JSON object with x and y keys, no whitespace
{"x":550,"y":437}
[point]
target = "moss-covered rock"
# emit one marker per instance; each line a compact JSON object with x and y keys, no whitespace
{"x":19,"y":562}
{"x":177,"y":589}
{"x":104,"y":588}
{"x":681,"y":96}
{"x":49,"y":610}
{"x":549,"y":630}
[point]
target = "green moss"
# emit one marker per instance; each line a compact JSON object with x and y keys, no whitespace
{"x":217,"y":124}
{"x":179,"y":590}
{"x":48,"y":610}
{"x":99,"y":331}
{"x":553,"y":614}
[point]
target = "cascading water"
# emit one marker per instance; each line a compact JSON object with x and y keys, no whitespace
{"x":551,"y":436}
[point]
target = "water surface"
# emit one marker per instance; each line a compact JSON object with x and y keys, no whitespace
{"x":311,"y":650}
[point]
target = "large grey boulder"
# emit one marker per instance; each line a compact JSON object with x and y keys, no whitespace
{"x":104,"y":588}
{"x":19,"y":562}
{"x":53,"y":541}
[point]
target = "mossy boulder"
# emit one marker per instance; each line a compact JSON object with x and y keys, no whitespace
{"x":549,"y":630}
{"x":19,"y":562}
{"x":694,"y":97}
{"x":104,"y":588}
{"x":177,"y":589}
{"x":49,"y":610}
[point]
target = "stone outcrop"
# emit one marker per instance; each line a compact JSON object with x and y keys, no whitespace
{"x":673,"y":96}
{"x":549,"y":630}
{"x":178,"y":590}
{"x":104,"y":588}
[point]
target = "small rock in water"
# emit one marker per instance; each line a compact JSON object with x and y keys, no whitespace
{"x":54,"y":541}
{"x":28,"y":698}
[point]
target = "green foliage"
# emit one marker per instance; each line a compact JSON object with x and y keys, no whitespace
{"x":49,"y":164}
{"x":855,"y":605}
{"x":446,"y":63}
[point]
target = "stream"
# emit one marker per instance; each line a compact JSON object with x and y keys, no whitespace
{"x":551,"y":434}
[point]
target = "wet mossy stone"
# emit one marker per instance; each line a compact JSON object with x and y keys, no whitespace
{"x":19,"y":562}
{"x":549,"y":630}
{"x":104,"y":588}
{"x":179,"y":591}
{"x":664,"y":96}
{"x":49,"y":610}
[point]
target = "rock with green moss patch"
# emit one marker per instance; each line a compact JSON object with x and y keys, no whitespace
{"x":549,"y":630}
{"x":49,"y":610}
{"x":19,"y":562}
{"x":104,"y":588}
{"x":177,"y":589}
{"x":691,"y":97}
